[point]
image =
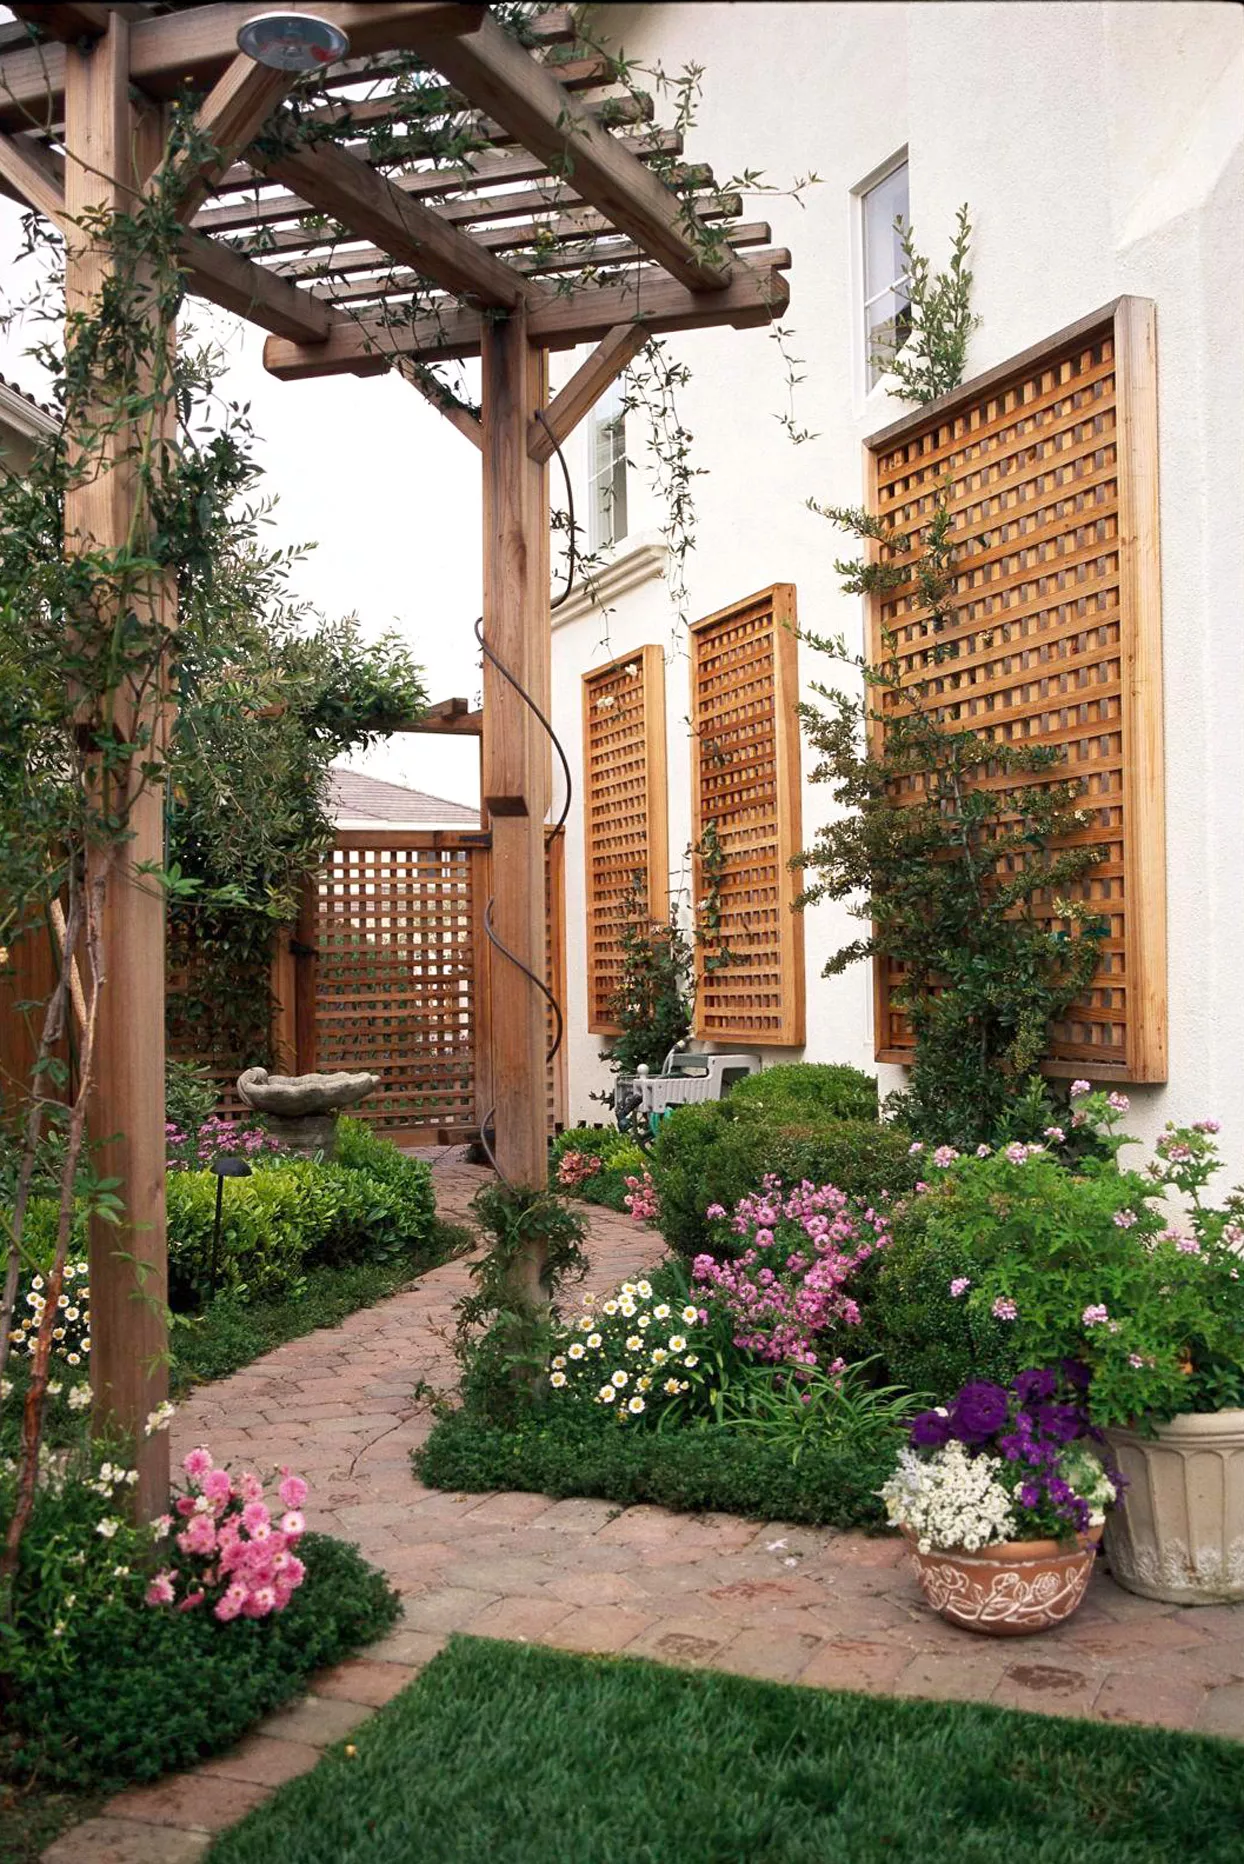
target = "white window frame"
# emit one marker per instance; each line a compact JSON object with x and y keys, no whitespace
{"x":607,"y":511}
{"x":872,"y":374}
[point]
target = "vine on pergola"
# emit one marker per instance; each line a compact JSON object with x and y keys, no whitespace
{"x":364,"y":234}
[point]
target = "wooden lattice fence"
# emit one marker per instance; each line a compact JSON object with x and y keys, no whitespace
{"x":1049,"y":465}
{"x":387,"y":970}
{"x":625,"y":813}
{"x":745,"y":790}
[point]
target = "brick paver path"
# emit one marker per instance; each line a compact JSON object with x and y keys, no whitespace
{"x":806,"y":1605}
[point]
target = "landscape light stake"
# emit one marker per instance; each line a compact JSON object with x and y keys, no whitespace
{"x":225,"y":1165}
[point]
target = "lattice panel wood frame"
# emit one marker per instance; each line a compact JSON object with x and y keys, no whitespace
{"x":625,"y":812}
{"x":1051,"y":467}
{"x":745,"y":781}
{"x":395,"y":984}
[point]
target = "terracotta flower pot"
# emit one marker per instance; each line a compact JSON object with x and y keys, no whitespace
{"x":1179,"y":1534}
{"x":1009,"y":1590}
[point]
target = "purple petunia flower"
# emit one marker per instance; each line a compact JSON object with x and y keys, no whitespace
{"x":979,"y":1411}
{"x":930,"y":1431}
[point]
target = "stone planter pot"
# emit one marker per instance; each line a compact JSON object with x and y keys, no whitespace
{"x":1178,"y":1534}
{"x":1010,"y":1590}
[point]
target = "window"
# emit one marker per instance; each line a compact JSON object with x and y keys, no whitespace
{"x":608,"y":471}
{"x":887,"y":315}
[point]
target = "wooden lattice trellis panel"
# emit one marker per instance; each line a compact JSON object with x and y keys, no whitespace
{"x":625,"y":812}
{"x":395,"y":987}
{"x":1049,"y":464}
{"x":745,"y":782}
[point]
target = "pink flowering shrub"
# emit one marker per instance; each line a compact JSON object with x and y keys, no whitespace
{"x":641,"y":1198}
{"x":786,"y":1289}
{"x":234,"y":1555}
{"x":575,"y":1168}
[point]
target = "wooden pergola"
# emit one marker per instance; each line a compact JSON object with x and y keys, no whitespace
{"x":557,"y":229}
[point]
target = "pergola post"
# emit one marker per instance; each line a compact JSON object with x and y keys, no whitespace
{"x":516,"y":758}
{"x":108,"y":147}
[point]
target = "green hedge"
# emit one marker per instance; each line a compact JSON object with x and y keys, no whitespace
{"x":804,"y":1091}
{"x":150,"y":1690}
{"x":703,"y":1467}
{"x":371,"y":1205}
{"x":713,"y":1153}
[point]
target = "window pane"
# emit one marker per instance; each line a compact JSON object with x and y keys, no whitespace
{"x":607,"y":515}
{"x":883,"y":254}
{"x":887,"y":325}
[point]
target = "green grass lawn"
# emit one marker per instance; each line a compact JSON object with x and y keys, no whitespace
{"x":512,"y":1754}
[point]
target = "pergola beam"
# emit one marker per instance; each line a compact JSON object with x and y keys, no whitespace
{"x":68,"y":23}
{"x":35,"y":174}
{"x":234,"y":111}
{"x":455,"y":412}
{"x":475,"y":169}
{"x":756,"y":295}
{"x":573,"y":228}
{"x":413,"y":234}
{"x":600,"y":257}
{"x":235,"y":284}
{"x":584,"y":389}
{"x":499,"y":76}
{"x":171,"y":50}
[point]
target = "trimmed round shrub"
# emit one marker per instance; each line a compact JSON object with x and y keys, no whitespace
{"x":927,"y":1338}
{"x":150,"y":1690}
{"x":799,"y":1091}
{"x":707,"y":1154}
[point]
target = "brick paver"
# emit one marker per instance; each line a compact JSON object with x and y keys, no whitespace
{"x":806,"y":1605}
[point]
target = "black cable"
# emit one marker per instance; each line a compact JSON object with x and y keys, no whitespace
{"x":490,"y":1117}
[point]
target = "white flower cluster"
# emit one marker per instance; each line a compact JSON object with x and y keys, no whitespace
{"x":949,"y":1500}
{"x":71,"y":1336}
{"x":629,"y":1351}
{"x":1083,"y":1469}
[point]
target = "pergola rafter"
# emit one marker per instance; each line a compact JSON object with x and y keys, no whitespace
{"x":564,"y":219}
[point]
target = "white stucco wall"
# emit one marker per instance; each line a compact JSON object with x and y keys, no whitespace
{"x":1101,"y":149}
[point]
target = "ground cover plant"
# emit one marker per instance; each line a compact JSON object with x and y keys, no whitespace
{"x":131,"y":1648}
{"x":616,"y":1761}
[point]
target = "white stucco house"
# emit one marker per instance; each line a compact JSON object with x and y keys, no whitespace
{"x":1100,"y":148}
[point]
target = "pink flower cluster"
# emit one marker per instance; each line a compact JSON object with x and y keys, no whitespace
{"x":576,"y":1168}
{"x":214,"y":1137}
{"x":641,"y":1198}
{"x":786,"y":1288}
{"x":234,"y":1556}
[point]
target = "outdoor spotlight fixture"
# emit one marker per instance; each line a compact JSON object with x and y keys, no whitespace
{"x":292,"y":41}
{"x":225,"y":1165}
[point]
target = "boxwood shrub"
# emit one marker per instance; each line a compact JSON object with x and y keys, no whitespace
{"x":800,"y":1091}
{"x":150,"y":1691}
{"x":370,"y":1205}
{"x":714,"y":1153}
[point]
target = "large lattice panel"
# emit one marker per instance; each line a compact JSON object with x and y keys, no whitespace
{"x":1049,"y":467}
{"x":625,"y":813}
{"x":395,"y":974}
{"x":745,"y":801}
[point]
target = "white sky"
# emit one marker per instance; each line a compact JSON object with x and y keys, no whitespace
{"x":387,"y":491}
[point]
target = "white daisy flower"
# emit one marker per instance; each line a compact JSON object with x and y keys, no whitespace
{"x":557,"y":1380}
{"x":594,"y":1341}
{"x":662,"y":1312}
{"x":677,"y":1343}
{"x":690,"y":1314}
{"x":671,"y":1388}
{"x":578,"y":1350}
{"x":620,"y":1379}
{"x":659,"y":1356}
{"x":611,"y":1307}
{"x":644,"y":1290}
{"x":633,"y":1343}
{"x":559,"y":1363}
{"x":606,"y":1395}
{"x":692,"y":1359}
{"x":636,"y":1405}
